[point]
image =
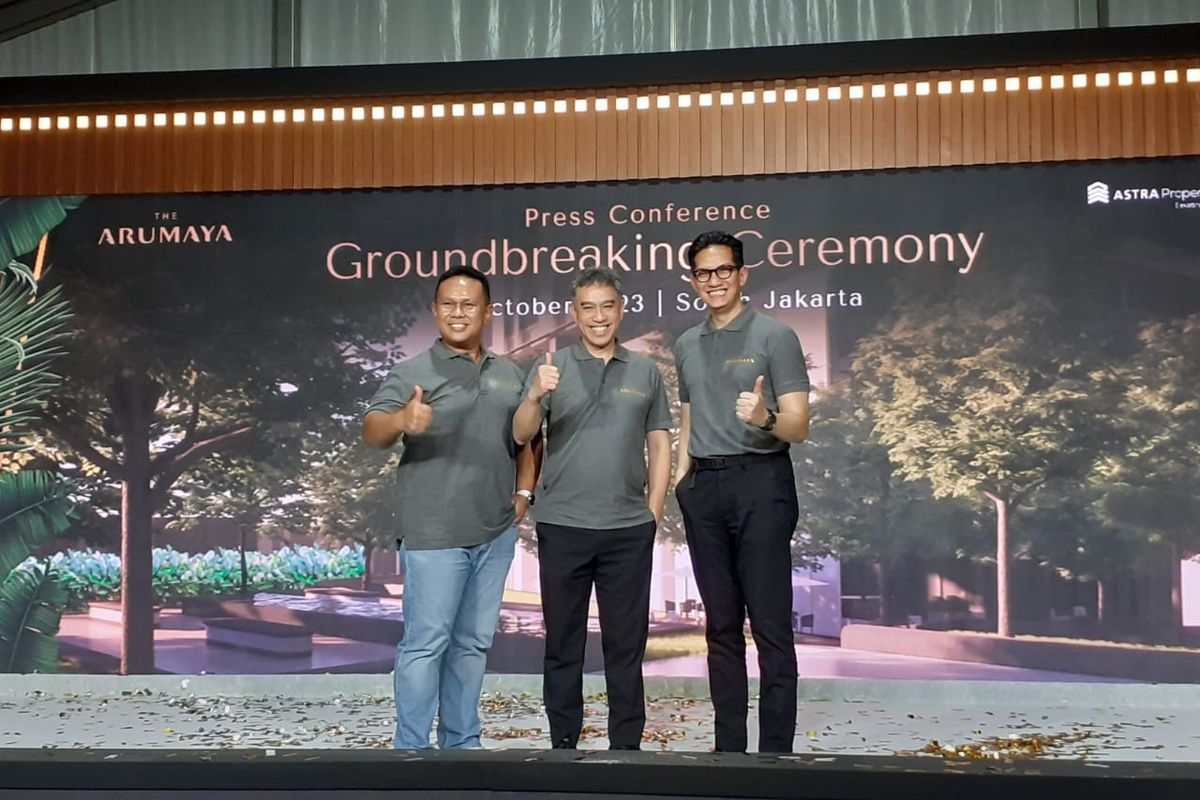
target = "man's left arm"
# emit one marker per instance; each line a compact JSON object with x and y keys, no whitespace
{"x":658,"y":452}
{"x":791,"y":420}
{"x":789,"y":380}
{"x":529,"y":466}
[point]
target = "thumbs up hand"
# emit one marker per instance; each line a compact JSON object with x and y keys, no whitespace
{"x":750,"y":408}
{"x":547,"y":380}
{"x":417,"y":414}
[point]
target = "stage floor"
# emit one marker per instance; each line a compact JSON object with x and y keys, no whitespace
{"x":557,"y":775}
{"x":1103,"y":722}
{"x":288,"y":737}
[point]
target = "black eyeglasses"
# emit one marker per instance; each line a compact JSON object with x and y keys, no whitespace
{"x":724,"y":271}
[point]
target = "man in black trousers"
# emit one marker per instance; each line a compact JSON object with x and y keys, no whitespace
{"x":606,"y":413}
{"x":744,"y":387}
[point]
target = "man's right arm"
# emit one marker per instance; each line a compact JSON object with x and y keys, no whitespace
{"x":683,"y":462}
{"x":397,"y":409}
{"x":527,"y":420}
{"x":383,"y":429}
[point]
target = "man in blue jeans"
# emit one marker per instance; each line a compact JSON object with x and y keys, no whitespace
{"x":463,"y":486}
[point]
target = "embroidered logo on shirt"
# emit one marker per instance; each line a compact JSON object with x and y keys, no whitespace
{"x":742,"y":360}
{"x":633,"y":392}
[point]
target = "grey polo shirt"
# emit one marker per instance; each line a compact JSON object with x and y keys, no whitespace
{"x":715,"y":365}
{"x":594,"y":468}
{"x":455,"y":481}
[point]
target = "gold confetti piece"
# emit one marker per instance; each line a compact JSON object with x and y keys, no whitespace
{"x":1012,"y":746}
{"x":514,"y":733}
{"x":663,"y":736}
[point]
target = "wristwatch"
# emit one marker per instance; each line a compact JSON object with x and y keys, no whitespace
{"x":526,"y":493}
{"x":769,"y":425}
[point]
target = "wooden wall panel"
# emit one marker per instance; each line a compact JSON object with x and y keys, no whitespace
{"x":796,"y":144}
{"x":839,"y":127}
{"x":732,"y":131}
{"x":1087,"y":130}
{"x":710,"y":133}
{"x":775,"y":129}
{"x":1191,"y":118}
{"x":525,"y":143}
{"x":905,"y":138}
{"x":1156,"y":119}
{"x":976,"y":135}
{"x":818,"y":126}
{"x":586,"y":159}
{"x":566,"y":158}
{"x":954,"y":117}
{"x":646,"y":120}
{"x":689,"y":141}
{"x":668,"y":136}
{"x":753,"y":129}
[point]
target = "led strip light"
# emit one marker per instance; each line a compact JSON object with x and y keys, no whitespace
{"x":833,"y":91}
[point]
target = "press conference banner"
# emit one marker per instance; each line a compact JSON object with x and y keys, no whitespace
{"x":1004,"y":362}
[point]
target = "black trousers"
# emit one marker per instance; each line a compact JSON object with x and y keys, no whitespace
{"x":739,"y":522}
{"x":617,"y":562}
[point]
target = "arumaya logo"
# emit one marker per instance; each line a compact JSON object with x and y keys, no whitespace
{"x":1097,"y":192}
{"x":165,"y":231}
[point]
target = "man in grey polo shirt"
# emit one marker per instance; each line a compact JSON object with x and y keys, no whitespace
{"x":463,"y":485}
{"x":744,"y":387}
{"x":605,"y":410}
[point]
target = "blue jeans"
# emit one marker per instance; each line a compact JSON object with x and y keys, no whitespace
{"x":451,"y":607}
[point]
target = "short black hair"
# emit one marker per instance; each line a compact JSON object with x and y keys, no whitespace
{"x":716,"y":239}
{"x":463,"y":271}
{"x":595,"y":276}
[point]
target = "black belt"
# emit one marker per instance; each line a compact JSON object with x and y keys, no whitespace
{"x":725,"y":462}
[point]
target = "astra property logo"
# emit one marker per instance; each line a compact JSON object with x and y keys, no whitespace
{"x":1177,"y":198}
{"x":1097,"y":192}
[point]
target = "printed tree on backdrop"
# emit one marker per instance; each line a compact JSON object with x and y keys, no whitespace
{"x":670,"y":528}
{"x":254,"y":486}
{"x":1069,"y":532}
{"x":855,"y":505}
{"x":1147,"y":487}
{"x":34,"y":506}
{"x":177,"y":363}
{"x":987,"y":395}
{"x":351,"y":491}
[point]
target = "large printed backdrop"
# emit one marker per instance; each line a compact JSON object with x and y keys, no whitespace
{"x":1004,"y":339}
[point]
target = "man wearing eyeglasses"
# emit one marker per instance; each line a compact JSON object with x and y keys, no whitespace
{"x":744,"y":388}
{"x":462,"y":485}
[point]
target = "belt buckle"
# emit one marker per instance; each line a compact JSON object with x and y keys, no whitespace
{"x":718,"y":462}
